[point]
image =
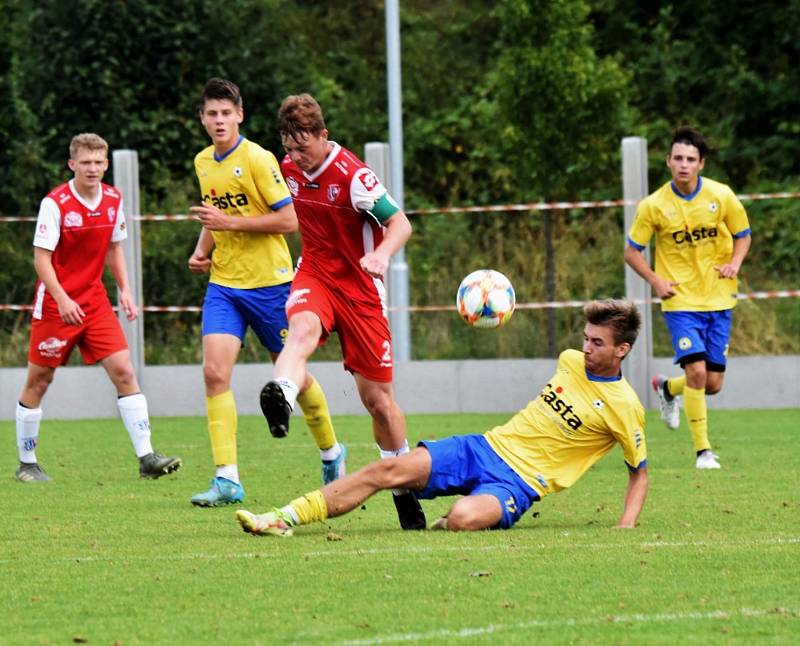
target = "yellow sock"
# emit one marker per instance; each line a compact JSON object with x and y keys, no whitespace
{"x":694,"y":401}
{"x":221,"y":410}
{"x":310,"y":508}
{"x":318,"y":417}
{"x":676,"y":385}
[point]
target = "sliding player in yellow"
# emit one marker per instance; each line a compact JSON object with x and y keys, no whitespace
{"x":246,"y":208}
{"x":702,"y":236}
{"x":585,"y":409}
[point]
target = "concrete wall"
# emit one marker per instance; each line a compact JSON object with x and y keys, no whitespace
{"x":420,"y":387}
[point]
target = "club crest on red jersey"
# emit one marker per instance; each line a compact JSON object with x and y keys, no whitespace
{"x":112,"y":212}
{"x":294,"y":187}
{"x":333,"y":192}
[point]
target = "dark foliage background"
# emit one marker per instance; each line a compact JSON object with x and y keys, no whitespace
{"x":513,"y":101}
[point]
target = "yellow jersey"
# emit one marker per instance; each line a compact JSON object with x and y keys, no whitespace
{"x":575,"y":421}
{"x":245,"y":182}
{"x":694,"y":233}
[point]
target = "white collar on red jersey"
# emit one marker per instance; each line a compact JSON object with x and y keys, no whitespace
{"x":89,"y":205}
{"x":334,"y":151}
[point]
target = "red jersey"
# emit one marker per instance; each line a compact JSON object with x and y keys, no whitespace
{"x":336,"y":225}
{"x":79,"y":235}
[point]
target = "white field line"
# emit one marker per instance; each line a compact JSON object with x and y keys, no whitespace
{"x":490,"y":629}
{"x":417,"y":550}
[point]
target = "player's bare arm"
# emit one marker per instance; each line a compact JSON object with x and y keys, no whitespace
{"x":398,"y":231}
{"x":635,"y":496}
{"x":731,"y":268}
{"x":663,"y":288}
{"x":115,"y":260}
{"x":70,"y":312}
{"x":284,"y":220}
{"x":200,"y":260}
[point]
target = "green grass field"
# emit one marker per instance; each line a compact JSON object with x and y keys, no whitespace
{"x":101,"y":557}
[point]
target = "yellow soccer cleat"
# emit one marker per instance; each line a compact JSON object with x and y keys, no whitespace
{"x":272,"y":523}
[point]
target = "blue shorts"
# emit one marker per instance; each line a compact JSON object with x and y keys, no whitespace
{"x":467,"y":465}
{"x":700,"y":335}
{"x":228,"y":310}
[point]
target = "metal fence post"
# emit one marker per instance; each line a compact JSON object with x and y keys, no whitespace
{"x":126,"y":179}
{"x":398,"y":270}
{"x":638,"y":365}
{"x":377,"y":156}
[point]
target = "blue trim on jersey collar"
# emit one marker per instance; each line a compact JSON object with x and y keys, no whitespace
{"x":691,"y":195}
{"x":592,"y":377}
{"x":221,"y":157}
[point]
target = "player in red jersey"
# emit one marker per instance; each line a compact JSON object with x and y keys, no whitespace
{"x":350,"y":227}
{"x":79,"y":229}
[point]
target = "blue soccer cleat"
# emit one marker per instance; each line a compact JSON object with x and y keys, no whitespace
{"x":221,"y":492}
{"x":334,"y":469}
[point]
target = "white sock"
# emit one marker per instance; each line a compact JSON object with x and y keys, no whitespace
{"x":229,"y":472}
{"x":330,"y":454}
{"x":395,"y":453}
{"x":28,"y":420}
{"x":290,"y":390}
{"x":133,"y":411}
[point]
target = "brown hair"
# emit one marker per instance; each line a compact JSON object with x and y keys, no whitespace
{"x":221,"y":90}
{"x":691,"y":137}
{"x":87,"y":140}
{"x":300,"y":114}
{"x":621,"y":315}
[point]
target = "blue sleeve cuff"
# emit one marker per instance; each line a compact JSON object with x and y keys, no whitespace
{"x":642,"y":464}
{"x":280,"y":204}
{"x":636,"y":245}
{"x":742,"y":234}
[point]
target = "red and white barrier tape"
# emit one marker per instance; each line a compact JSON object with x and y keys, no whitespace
{"x":596,"y":204}
{"x":751,"y":296}
{"x":493,"y":208}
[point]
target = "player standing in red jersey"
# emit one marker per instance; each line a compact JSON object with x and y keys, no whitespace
{"x":350,"y":227}
{"x":78,"y":232}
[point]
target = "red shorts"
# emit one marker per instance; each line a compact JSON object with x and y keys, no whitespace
{"x":363,"y":330}
{"x":99,"y":336}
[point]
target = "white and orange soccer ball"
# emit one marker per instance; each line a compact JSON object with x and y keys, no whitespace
{"x":485,"y":299}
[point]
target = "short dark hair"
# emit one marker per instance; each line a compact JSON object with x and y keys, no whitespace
{"x":691,"y":137}
{"x":621,"y":315}
{"x":300,"y":114}
{"x":221,"y":90}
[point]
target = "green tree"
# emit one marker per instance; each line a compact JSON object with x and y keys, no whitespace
{"x":732,"y":70}
{"x":563,"y":107}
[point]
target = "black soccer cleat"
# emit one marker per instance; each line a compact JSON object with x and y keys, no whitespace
{"x":275,"y":408}
{"x":31,"y":472}
{"x":154,"y":465}
{"x":409,"y":511}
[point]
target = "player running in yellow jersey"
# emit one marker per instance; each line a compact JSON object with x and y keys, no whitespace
{"x":702,"y":236}
{"x":246,"y":208}
{"x":583,"y":411}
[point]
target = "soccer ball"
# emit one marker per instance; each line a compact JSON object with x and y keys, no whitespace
{"x":485,"y":298}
